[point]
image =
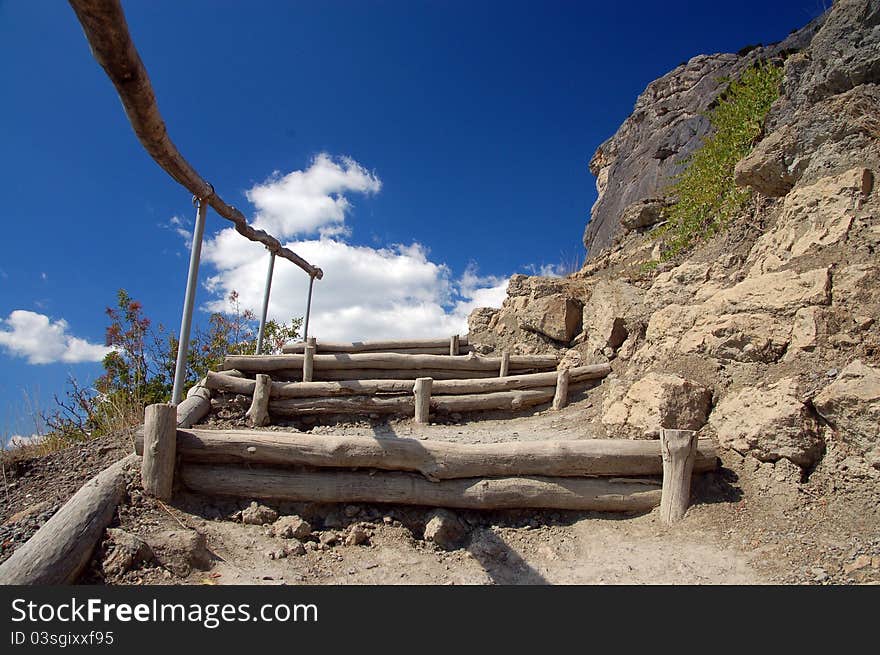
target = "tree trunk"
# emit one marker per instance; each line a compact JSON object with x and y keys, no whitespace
{"x":61,"y":549}
{"x":469,"y":493}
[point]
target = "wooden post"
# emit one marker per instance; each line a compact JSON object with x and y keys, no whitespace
{"x":679,"y":450}
{"x":560,"y":399}
{"x":454,"y":344}
{"x":505,"y":364}
{"x":258,"y":414}
{"x":422,"y":391}
{"x":309,"y":359}
{"x":160,"y":450}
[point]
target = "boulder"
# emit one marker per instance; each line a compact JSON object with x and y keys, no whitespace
{"x":658,"y":400}
{"x":851,"y":405}
{"x":643,"y":213}
{"x":557,"y":317}
{"x":769,"y":422}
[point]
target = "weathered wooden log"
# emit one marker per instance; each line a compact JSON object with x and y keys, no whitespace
{"x":195,"y":407}
{"x":505,"y":364}
{"x":258,"y":414}
{"x":309,"y":361}
{"x":386,"y":361}
{"x":350,"y":405}
{"x":422,"y":393}
{"x":60,"y":550}
{"x":509,"y":400}
{"x":454,"y":345}
{"x":560,"y":398}
{"x":436,"y":460}
{"x":391,"y":345}
{"x":198,"y":389}
{"x":679,"y":451}
{"x":588,"y":494}
{"x":160,"y":442}
{"x":222,"y":382}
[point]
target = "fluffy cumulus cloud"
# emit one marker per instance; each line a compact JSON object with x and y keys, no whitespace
{"x":366,"y":292}
{"x":311,"y":201}
{"x":43,"y":341}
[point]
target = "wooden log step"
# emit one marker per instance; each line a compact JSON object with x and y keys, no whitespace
{"x":440,"y":344}
{"x":386,"y":361}
{"x":586,"y":494}
{"x":436,"y":460}
{"x":229,"y":384}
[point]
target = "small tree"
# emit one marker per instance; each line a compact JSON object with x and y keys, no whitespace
{"x":140,"y":369}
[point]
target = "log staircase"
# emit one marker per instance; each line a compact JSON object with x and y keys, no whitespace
{"x":419,"y":378}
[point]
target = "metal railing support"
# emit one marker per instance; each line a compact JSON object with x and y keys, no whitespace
{"x":192,"y":281}
{"x":266,"y":291}
{"x":308,"y":308}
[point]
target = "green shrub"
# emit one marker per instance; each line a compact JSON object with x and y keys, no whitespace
{"x":705,"y":195}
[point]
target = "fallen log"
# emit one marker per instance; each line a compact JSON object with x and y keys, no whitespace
{"x":386,"y":361}
{"x":586,"y":494}
{"x":61,"y":549}
{"x":441,"y":344}
{"x":228,"y":384}
{"x":436,"y":460}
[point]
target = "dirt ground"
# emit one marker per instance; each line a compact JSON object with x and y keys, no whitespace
{"x":750,"y":523}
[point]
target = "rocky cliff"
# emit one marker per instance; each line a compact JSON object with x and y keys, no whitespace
{"x":765,"y":336}
{"x":634,"y":166}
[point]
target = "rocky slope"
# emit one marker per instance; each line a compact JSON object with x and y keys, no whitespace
{"x":766,"y":336}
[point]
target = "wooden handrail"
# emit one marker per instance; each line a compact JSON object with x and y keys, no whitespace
{"x":103,"y":22}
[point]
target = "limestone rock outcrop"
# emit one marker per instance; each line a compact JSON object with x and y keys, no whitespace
{"x":769,"y":422}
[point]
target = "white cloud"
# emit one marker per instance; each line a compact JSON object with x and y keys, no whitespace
{"x":311,"y":201}
{"x":18,"y":440}
{"x":367,"y":292}
{"x":43,"y":341}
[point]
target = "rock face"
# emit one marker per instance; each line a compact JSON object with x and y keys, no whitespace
{"x":769,"y":423}
{"x":667,"y":124}
{"x":851,"y":405}
{"x":773,"y":318}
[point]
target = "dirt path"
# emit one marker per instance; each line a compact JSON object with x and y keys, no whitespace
{"x":751,"y":523}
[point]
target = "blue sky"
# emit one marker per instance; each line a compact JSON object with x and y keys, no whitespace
{"x":420,"y":152}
